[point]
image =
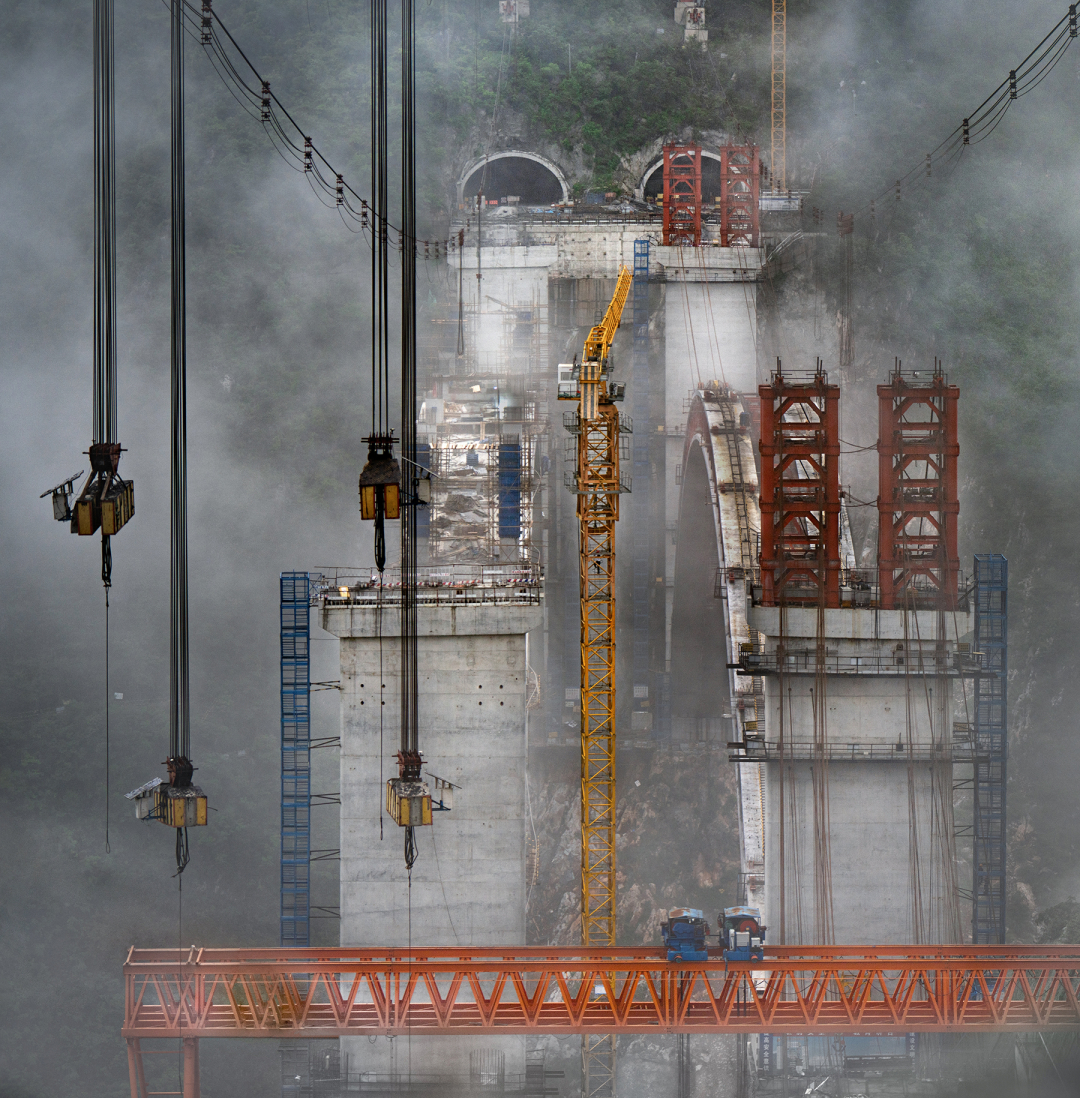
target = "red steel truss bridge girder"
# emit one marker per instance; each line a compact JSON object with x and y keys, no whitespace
{"x":316,"y":992}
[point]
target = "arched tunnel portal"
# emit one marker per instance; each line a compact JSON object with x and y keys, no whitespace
{"x":533,"y":178}
{"x":652,"y":182}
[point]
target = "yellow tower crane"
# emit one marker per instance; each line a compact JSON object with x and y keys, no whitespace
{"x":598,"y":483}
{"x":779,"y":95}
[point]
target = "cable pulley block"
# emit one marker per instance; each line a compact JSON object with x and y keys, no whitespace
{"x":107,"y":501}
{"x":380,"y":480}
{"x":408,"y":799}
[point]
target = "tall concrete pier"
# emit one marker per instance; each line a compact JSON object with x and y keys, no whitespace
{"x":468,"y":884}
{"x":858,"y":735}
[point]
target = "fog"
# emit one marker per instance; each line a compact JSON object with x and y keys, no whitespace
{"x":978,"y":267}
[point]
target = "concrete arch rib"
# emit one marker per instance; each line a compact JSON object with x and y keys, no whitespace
{"x":517,"y":154}
{"x":715,"y":432}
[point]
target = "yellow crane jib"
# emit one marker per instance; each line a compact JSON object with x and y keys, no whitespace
{"x":600,"y":337}
{"x":593,"y":368}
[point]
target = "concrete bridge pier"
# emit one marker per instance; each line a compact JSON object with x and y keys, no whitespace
{"x":859,"y":837}
{"x":468,"y":884}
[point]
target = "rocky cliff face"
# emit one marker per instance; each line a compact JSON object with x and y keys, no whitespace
{"x":677,"y":840}
{"x":677,"y":843}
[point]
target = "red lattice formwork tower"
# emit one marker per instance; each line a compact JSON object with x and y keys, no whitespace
{"x":800,"y":491}
{"x":918,"y":562}
{"x":682,"y":195}
{"x":740,"y":200}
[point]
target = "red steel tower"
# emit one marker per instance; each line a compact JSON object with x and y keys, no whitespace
{"x":800,"y":491}
{"x":682,"y":195}
{"x":918,"y":562}
{"x":739,"y":200}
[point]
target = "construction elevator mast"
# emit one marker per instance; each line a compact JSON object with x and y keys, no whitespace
{"x":598,"y":482}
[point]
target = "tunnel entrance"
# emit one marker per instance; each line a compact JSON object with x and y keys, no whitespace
{"x":711,"y":181}
{"x":699,"y":679}
{"x":533,"y":183}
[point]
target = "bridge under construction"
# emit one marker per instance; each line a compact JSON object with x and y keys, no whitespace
{"x":827,"y":650}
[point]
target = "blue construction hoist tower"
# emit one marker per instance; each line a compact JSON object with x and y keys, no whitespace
{"x":295,"y":759}
{"x":642,"y":530}
{"x":510,"y":488}
{"x":991,"y":748}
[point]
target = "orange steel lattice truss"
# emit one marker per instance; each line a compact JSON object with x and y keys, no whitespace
{"x":682,"y":195}
{"x":739,"y":201}
{"x":918,"y":505}
{"x":317,"y":992}
{"x":800,"y":491}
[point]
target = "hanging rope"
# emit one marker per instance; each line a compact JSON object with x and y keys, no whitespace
{"x":179,"y":759}
{"x":410,"y":744}
{"x":380,"y":259}
{"x":105,"y":426}
{"x":107,"y":766}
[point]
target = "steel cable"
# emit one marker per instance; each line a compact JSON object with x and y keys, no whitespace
{"x":179,"y":689}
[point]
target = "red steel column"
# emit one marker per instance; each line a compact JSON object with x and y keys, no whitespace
{"x":136,"y":1072}
{"x":191,"y":1067}
{"x":682,"y":195}
{"x":918,"y":505}
{"x":740,"y":196}
{"x":800,"y":491}
{"x":770,"y":491}
{"x":830,"y":399}
{"x":886,"y":501}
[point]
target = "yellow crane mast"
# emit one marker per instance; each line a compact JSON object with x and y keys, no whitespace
{"x":598,"y":484}
{"x":779,"y":95}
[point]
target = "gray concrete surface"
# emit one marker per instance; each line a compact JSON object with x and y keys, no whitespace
{"x":468,"y":884}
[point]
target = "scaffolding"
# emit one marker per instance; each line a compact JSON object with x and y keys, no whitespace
{"x":481,"y":502}
{"x":295,"y":759}
{"x":991,"y":748}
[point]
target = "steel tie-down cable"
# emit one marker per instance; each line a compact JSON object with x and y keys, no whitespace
{"x":215,"y":47}
{"x":989,"y":112}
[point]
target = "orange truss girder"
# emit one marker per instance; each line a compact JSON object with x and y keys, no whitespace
{"x":320,"y":992}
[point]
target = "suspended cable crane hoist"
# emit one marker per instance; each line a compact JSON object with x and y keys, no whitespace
{"x":107,"y":501}
{"x":380,"y":490}
{"x":597,"y":484}
{"x":408,"y":799}
{"x":180,"y":804}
